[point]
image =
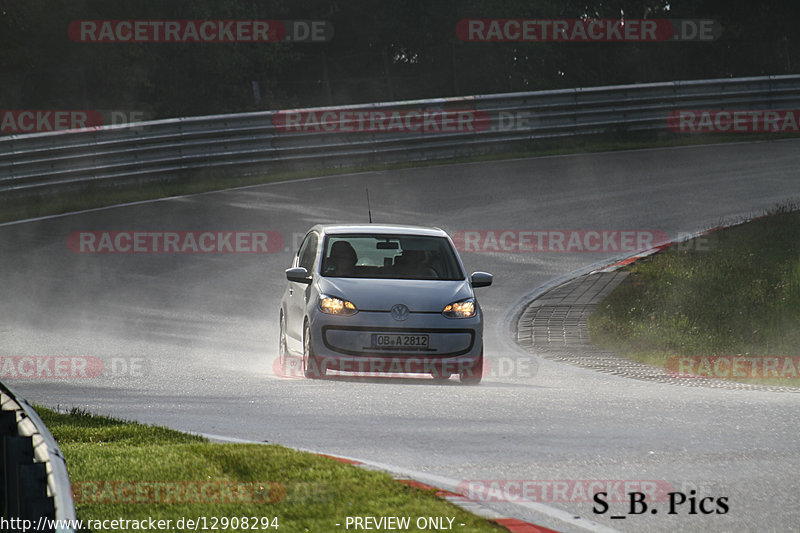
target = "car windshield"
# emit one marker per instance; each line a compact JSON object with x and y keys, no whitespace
{"x":390,"y":256}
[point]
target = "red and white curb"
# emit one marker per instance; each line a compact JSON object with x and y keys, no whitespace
{"x":446,"y":489}
{"x":513,"y":525}
{"x":632,"y":259}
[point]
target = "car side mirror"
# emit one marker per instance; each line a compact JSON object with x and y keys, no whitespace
{"x":298,"y":274}
{"x":481,"y":279}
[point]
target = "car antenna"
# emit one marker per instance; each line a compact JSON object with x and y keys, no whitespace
{"x":369,"y":209}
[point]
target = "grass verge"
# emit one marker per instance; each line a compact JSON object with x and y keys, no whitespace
{"x":128,"y":470}
{"x":101,"y":196}
{"x":733,"y":292}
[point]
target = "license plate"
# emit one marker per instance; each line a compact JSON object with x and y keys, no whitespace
{"x":394,"y":341}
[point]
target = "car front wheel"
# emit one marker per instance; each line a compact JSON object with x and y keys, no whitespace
{"x":473,"y":374}
{"x":311,"y":364}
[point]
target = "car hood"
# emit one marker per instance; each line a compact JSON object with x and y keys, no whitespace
{"x":382,"y":294}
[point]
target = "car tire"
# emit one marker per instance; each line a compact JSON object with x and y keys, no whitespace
{"x":283,"y":350}
{"x":312,"y":367}
{"x":474,"y":374}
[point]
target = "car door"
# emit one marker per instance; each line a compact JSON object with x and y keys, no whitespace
{"x":298,"y":292}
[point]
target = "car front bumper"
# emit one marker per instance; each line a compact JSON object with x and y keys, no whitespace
{"x":345,"y":343}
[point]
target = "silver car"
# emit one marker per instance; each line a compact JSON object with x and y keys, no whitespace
{"x":375,"y":299}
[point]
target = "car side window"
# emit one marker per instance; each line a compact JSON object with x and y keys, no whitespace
{"x":308,"y":252}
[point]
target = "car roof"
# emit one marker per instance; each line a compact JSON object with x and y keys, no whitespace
{"x":392,"y":229}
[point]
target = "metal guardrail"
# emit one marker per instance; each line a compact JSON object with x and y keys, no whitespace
{"x":247,"y":143}
{"x":34,"y":483}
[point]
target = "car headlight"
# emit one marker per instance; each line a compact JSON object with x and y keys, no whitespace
{"x":336,"y":306}
{"x":463,"y":309}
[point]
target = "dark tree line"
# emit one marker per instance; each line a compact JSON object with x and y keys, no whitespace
{"x":381,"y":50}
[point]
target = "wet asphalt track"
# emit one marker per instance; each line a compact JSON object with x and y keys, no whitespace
{"x":202,"y":331}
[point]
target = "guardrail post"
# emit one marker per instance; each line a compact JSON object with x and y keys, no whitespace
{"x":34,"y":502}
{"x":17,"y":451}
{"x":34,"y":484}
